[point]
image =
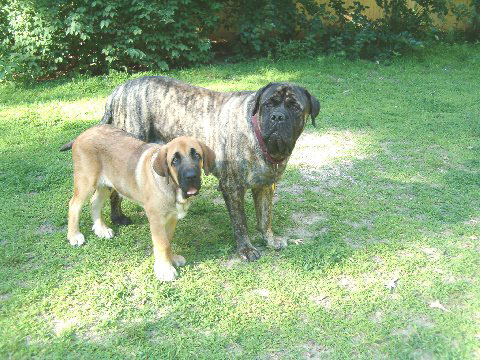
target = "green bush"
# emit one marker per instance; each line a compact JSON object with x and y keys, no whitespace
{"x":42,"y":37}
{"x":47,"y":38}
{"x":279,"y":29}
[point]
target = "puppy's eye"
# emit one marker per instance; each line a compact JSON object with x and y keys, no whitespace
{"x":195,"y":154}
{"x":176,"y":159}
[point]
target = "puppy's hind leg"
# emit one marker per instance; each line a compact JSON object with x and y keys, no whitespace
{"x":82,"y":188}
{"x":99,"y":226}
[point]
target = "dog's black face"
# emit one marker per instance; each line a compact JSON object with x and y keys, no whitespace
{"x":188,"y":171}
{"x":282,"y":110}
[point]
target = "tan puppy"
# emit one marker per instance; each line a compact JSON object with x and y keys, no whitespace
{"x":161,"y":178}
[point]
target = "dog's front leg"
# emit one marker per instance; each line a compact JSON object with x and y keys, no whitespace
{"x":162,"y":250}
{"x":235,"y":201}
{"x":263,"y":197}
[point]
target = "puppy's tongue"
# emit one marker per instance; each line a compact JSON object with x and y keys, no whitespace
{"x":192,"y":191}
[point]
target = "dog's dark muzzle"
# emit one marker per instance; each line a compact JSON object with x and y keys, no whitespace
{"x":190,"y":181}
{"x":280,"y":140}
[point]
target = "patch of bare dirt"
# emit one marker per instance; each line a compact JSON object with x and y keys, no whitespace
{"x":265,"y":293}
{"x":5,"y":297}
{"x":290,"y":189}
{"x":347,"y":282}
{"x":432,"y":253}
{"x":62,"y":325}
{"x":362,"y":224}
{"x":234,"y":350}
{"x":48,"y":228}
{"x":377,"y":317}
{"x":232,"y":262}
{"x":421,"y":354}
{"x":315,"y":351}
{"x":321,"y":300}
{"x":473,"y":221}
{"x":420,"y":322}
{"x":308,"y":219}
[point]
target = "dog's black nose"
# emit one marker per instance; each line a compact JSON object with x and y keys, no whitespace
{"x":190,"y":175}
{"x":277,"y":116}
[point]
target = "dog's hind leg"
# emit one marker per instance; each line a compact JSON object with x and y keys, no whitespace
{"x":82,"y":188}
{"x":116,"y":214}
{"x":99,"y":227}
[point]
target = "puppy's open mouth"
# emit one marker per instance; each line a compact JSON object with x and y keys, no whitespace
{"x":192,"y":191}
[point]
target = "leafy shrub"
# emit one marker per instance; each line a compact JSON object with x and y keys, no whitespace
{"x":42,"y":37}
{"x":290,"y":29}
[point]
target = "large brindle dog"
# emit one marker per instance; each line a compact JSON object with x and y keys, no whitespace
{"x":252,"y":134}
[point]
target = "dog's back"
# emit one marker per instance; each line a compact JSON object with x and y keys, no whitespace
{"x":107,"y":156}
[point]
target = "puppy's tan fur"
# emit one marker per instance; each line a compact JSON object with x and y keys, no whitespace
{"x":105,"y":158}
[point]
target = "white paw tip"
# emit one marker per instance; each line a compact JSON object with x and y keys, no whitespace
{"x":102,"y":231}
{"x":165,"y":272}
{"x":77,"y":240}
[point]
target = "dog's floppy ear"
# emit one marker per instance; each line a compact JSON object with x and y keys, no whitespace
{"x":258,"y":95}
{"x":208,"y":157}
{"x":314,"y":106}
{"x":160,"y":165}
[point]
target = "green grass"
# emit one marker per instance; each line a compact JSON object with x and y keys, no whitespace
{"x":386,"y":190}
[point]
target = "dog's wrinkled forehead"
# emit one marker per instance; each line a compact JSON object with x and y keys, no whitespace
{"x":182,"y":146}
{"x":284,"y":92}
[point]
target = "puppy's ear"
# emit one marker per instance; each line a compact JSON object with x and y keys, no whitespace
{"x":258,"y":95}
{"x":160,"y":165}
{"x":314,"y":106}
{"x":208,"y":157}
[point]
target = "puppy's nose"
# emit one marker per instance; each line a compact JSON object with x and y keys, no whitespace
{"x":277,"y":116}
{"x":190,"y":175}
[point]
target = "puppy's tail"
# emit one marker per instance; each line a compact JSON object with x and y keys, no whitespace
{"x":67,"y":146}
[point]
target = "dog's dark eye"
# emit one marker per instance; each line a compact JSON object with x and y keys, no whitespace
{"x":195,"y":154}
{"x":176,"y":159}
{"x":294,"y":106}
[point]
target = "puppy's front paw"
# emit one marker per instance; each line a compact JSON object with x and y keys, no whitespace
{"x":102,"y":231}
{"x":164,"y":271}
{"x":178,"y":260}
{"x":77,"y":239}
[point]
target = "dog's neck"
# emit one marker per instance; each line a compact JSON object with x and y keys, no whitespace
{"x":182,"y":204}
{"x":258,"y":134}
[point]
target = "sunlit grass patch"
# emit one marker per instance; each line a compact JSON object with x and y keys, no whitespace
{"x":379,"y":204}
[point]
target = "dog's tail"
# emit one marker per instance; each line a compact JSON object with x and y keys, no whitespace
{"x":67,"y":146}
{"x":108,"y":116}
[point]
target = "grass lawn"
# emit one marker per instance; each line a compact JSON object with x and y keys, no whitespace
{"x":380,"y":203}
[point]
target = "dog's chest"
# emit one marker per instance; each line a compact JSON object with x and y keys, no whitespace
{"x":181,"y":206}
{"x":182,"y":209}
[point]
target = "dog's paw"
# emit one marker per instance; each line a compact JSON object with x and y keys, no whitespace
{"x":121,"y":220}
{"x":248,"y":252}
{"x":178,"y":260}
{"x":164,"y":271}
{"x":77,"y":239}
{"x":276,"y":243}
{"x":102,"y":231}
